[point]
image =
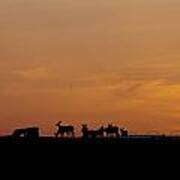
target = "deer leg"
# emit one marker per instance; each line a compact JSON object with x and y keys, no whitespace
{"x":117,"y":134}
{"x":62,"y":134}
{"x":73,"y":134}
{"x":56,"y":134}
{"x":68,"y":134}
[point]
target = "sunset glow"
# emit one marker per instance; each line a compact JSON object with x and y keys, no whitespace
{"x":92,"y":62}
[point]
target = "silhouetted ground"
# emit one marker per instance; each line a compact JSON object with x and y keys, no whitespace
{"x":69,"y":152}
{"x":131,"y":140}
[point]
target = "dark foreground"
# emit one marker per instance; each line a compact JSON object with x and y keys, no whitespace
{"x":123,"y":141}
{"x":68,"y":152}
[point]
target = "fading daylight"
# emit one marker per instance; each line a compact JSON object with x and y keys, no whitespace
{"x":87,"y":61}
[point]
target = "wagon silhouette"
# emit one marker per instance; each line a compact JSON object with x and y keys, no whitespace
{"x":29,"y":133}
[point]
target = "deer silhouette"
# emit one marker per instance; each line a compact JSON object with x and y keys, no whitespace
{"x":124,"y":132}
{"x":92,"y":133}
{"x":112,"y":130}
{"x":64,"y":130}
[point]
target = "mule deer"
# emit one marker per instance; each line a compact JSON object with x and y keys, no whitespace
{"x":64,"y":130}
{"x":112,"y":130}
{"x":92,"y":133}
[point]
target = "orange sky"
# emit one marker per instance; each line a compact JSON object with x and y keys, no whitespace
{"x":94,"y":61}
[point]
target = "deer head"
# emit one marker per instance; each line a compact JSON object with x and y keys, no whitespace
{"x":59,"y":123}
{"x":84,"y":126}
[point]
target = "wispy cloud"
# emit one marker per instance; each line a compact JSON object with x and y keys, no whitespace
{"x":38,"y":73}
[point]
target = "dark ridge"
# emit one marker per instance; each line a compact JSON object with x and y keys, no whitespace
{"x":130,"y":140}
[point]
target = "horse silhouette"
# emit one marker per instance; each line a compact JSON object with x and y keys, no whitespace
{"x":92,"y":133}
{"x":30,"y":133}
{"x":64,"y":130}
{"x":112,"y":130}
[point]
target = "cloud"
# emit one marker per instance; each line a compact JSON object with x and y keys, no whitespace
{"x":37,"y":73}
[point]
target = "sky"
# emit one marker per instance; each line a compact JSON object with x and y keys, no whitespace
{"x":95,"y":62}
